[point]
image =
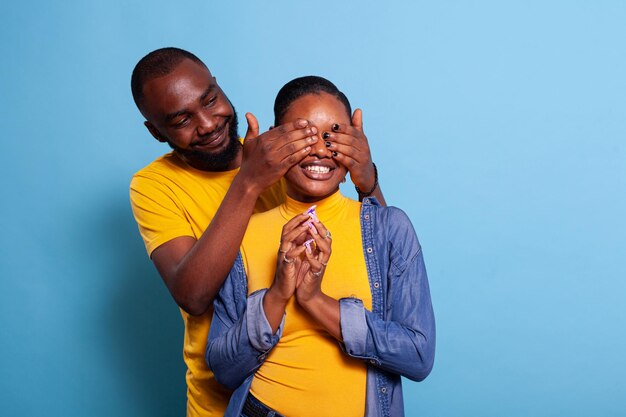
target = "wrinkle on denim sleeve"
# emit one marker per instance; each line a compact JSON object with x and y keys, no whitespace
{"x":240,"y":335}
{"x":353,"y":327}
{"x":259,"y":328}
{"x":398,"y":336}
{"x":403,"y":344}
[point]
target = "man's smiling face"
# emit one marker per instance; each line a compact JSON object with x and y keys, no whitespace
{"x":187,"y":109}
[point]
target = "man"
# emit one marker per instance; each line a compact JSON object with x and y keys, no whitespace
{"x":193,"y":204}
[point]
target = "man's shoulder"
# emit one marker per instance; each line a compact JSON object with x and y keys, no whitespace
{"x":167,"y":171}
{"x":167,"y":164}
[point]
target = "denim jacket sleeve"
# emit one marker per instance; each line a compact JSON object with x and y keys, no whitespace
{"x":399,"y":335}
{"x":240,"y":336}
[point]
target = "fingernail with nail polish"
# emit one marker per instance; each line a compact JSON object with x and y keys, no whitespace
{"x":325,"y":135}
{"x":307,"y":245}
{"x":334,"y":153}
{"x":335,"y":127}
{"x":311,"y":213}
{"x":327,"y":144}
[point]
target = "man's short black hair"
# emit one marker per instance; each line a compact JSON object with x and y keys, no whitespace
{"x":302,"y":86}
{"x":157,"y":63}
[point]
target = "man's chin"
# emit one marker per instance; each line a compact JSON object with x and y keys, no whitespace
{"x":219,"y":160}
{"x":223,"y":159}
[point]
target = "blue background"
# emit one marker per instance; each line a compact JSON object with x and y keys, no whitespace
{"x":499,"y":127}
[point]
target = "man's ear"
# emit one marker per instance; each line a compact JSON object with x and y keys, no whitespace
{"x":154,"y":132}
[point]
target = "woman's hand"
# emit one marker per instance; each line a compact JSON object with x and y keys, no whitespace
{"x":289,"y":260}
{"x":322,"y":308}
{"x":288,"y":265}
{"x":309,"y":284}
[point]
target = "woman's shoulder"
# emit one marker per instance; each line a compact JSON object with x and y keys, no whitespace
{"x":395,"y":216}
{"x":394,"y":224}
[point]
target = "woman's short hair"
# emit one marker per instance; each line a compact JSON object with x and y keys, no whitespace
{"x":303,"y":86}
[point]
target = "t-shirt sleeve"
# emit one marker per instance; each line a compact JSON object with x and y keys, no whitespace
{"x":158,"y":213}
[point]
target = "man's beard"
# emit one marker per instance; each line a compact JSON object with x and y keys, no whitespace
{"x":219,"y":161}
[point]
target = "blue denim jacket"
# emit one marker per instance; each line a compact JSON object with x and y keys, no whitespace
{"x":396,"y":338}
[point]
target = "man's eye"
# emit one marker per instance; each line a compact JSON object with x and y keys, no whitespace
{"x":181,"y":122}
{"x":210,"y":101}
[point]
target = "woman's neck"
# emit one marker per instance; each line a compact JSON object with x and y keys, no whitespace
{"x":326,"y":208}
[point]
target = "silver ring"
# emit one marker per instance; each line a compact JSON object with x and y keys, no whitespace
{"x":318,"y":273}
{"x":325,"y":264}
{"x":328,"y":234}
{"x":287,"y":260}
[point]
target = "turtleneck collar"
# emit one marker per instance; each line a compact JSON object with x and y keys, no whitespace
{"x":326,"y":209}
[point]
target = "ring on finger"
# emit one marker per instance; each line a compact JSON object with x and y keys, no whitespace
{"x":288,"y":260}
{"x":318,"y":273}
{"x":324,"y":263}
{"x":328,"y":236}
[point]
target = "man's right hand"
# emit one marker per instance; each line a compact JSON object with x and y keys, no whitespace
{"x":194,"y":270}
{"x":267,"y":157}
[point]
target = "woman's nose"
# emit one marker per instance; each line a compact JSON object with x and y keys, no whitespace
{"x":319,"y":148}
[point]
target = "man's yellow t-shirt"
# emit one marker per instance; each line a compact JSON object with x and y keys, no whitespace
{"x":170,"y":199}
{"x":306,"y":373}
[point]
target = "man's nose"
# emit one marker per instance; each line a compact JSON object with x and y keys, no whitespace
{"x":206,"y":123}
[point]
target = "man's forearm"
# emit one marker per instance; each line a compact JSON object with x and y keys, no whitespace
{"x":198,"y":276}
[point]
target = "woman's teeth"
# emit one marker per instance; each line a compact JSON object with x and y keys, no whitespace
{"x":317,"y":169}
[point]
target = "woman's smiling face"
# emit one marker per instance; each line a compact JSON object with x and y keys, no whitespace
{"x":318,"y":175}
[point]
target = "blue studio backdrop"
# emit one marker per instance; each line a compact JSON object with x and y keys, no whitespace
{"x":499,"y":127}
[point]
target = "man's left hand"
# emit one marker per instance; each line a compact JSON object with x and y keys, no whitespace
{"x":350,"y":148}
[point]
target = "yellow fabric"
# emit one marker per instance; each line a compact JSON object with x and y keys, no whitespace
{"x":307,"y":374}
{"x":171,"y":199}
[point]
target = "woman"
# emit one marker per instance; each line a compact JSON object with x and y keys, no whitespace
{"x":302,"y":333}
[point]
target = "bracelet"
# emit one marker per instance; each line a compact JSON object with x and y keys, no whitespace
{"x":370,"y":192}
